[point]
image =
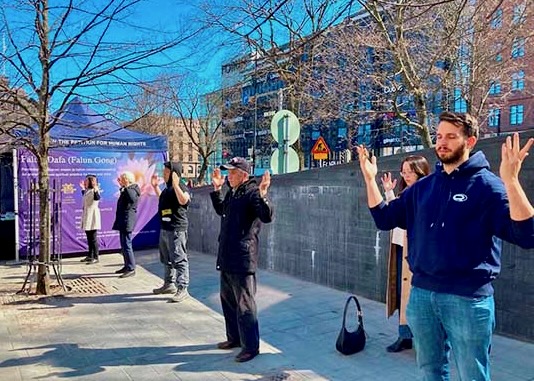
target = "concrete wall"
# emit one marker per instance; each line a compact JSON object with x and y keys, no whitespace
{"x":323,"y":233}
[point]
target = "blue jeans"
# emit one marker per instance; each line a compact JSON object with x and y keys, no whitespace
{"x":127,"y":250}
{"x":440,"y":322}
{"x":173,"y":255}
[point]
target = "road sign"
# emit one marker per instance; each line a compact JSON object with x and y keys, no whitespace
{"x":285,"y":127}
{"x":291,"y":163}
{"x":320,"y":149}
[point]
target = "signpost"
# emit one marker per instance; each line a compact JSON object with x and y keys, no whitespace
{"x":285,"y":128}
{"x":320,"y":149}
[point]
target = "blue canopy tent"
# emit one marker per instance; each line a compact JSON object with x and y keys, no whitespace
{"x":85,"y":142}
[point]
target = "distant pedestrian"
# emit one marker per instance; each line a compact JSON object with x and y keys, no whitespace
{"x":399,"y":279}
{"x":125,"y":218}
{"x":91,"y":219}
{"x":172,"y":210}
{"x":455,"y":219}
{"x":242,"y":209}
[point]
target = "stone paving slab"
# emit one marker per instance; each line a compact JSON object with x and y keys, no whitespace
{"x":122,"y":331}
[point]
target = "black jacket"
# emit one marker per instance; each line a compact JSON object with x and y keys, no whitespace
{"x":125,"y":215}
{"x":242,"y":213}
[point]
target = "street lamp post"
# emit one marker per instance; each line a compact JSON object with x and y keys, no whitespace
{"x":255,"y":86}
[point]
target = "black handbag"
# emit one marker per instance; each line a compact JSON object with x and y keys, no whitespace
{"x":347,"y":342}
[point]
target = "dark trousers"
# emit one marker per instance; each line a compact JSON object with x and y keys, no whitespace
{"x":239,"y":309}
{"x":92,"y":244}
{"x":127,"y":250}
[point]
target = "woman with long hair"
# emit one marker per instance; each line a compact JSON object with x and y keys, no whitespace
{"x":91,"y":220}
{"x":412,"y":169}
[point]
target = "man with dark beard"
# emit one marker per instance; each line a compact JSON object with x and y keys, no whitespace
{"x":455,"y":220}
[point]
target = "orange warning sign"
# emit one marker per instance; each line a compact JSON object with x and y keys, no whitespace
{"x":320,"y":149}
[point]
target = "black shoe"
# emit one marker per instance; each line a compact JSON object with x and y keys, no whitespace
{"x":92,"y":260}
{"x":86,"y":259}
{"x":127,"y":274}
{"x":400,"y":345}
{"x":121,"y":271}
{"x":227,"y":345}
{"x":245,"y":355}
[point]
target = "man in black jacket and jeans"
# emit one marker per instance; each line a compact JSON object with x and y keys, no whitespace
{"x":242,"y":210}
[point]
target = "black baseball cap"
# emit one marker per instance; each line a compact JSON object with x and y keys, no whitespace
{"x":237,"y":163}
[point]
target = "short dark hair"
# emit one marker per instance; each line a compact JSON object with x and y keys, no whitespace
{"x":465,"y":121}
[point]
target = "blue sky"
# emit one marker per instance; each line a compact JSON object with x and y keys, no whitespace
{"x":149,"y":21}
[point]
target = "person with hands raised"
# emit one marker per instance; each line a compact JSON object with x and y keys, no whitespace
{"x":243,"y":209}
{"x":399,"y":278}
{"x":456,"y":219}
{"x":172,"y":209}
{"x":91,"y":218}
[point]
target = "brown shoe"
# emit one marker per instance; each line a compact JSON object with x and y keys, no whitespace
{"x":245,"y":356}
{"x":227,"y":345}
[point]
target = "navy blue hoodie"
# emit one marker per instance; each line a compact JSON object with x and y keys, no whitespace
{"x":455,"y":223}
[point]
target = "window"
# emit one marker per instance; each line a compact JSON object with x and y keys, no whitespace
{"x":495,"y":88}
{"x":518,"y":81}
{"x":189,"y":157}
{"x":498,"y":52}
{"x":518,"y":47}
{"x":516,"y":114}
{"x":460,"y":105}
{"x":181,"y":134}
{"x":494,"y":117}
{"x":496,"y":20}
{"x":519,"y":14}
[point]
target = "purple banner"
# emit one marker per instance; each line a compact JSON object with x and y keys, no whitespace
{"x":67,"y":169}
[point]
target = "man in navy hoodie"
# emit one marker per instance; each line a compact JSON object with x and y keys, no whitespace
{"x":455,"y":220}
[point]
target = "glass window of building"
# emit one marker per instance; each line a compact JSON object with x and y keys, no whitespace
{"x":518,"y":81}
{"x":460,"y":105}
{"x":496,"y":20}
{"x":518,"y":47}
{"x":494,"y":117}
{"x":516,"y":114}
{"x":519,"y":14}
{"x":495,"y":88}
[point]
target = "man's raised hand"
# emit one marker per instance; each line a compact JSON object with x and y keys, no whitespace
{"x":512,"y":156}
{"x":265,"y":183}
{"x":368,"y":166}
{"x":217,"y":179}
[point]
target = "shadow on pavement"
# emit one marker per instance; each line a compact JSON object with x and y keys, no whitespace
{"x":87,"y":361}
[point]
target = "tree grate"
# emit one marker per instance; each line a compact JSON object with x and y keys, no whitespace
{"x":86,"y":286}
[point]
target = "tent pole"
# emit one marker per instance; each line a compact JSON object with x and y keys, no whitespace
{"x":16,"y":202}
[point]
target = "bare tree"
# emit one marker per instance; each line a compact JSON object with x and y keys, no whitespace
{"x":56,"y":52}
{"x":277,"y":38}
{"x":409,"y":57}
{"x":179,"y":102}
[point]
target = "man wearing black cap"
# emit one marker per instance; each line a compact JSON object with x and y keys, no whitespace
{"x":242,"y":209}
{"x":172,"y":209}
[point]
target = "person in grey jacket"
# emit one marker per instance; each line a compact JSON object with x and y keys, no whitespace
{"x":125,"y":218}
{"x":91,"y":220}
{"x":242,"y":209}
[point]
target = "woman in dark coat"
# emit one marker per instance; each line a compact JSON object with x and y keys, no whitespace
{"x":125,"y":217}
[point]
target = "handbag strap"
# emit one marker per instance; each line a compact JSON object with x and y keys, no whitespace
{"x":359,"y":313}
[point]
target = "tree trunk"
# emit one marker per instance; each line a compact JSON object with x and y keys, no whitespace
{"x":203,"y":169}
{"x":43,"y":278}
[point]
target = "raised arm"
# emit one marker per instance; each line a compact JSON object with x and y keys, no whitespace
{"x":512,"y":158}
{"x":369,"y":171}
